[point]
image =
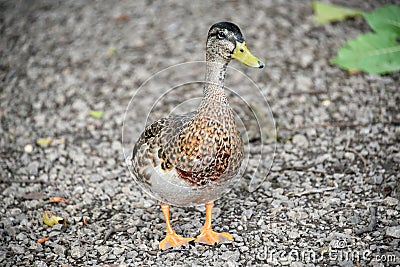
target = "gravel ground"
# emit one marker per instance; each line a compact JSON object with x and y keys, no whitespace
{"x":330,"y":199}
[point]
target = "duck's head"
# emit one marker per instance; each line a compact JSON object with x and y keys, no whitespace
{"x":225,"y":41}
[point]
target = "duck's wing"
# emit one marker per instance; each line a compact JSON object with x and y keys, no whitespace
{"x":148,"y":151}
{"x":197,"y":152}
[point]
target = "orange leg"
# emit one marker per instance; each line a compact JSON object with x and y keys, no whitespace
{"x":207,"y":235}
{"x":172,"y":239}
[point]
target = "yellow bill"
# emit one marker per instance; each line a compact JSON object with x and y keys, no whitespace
{"x":243,"y":55}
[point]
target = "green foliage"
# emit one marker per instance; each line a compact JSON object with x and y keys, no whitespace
{"x":325,"y":12}
{"x":96,"y":114}
{"x":385,"y":19}
{"x":377,"y":53}
{"x":374,"y":53}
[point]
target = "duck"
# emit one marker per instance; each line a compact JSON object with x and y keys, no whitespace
{"x":192,"y":159}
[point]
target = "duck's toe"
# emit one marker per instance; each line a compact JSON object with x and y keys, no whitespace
{"x":209,"y":237}
{"x":174,"y":240}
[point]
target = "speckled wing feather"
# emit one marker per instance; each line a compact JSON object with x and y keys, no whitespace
{"x":148,"y":148}
{"x":199,"y":149}
{"x":205,"y":150}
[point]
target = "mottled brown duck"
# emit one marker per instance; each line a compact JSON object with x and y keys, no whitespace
{"x":191,"y":159}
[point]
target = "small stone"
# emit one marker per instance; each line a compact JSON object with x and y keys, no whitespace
{"x":40,"y":264}
{"x":334,"y":201}
{"x":276,"y":203}
{"x":306,"y":59}
{"x":300,"y":140}
{"x":103,"y":250}
{"x":33,"y":204}
{"x":244,"y":249}
{"x":79,"y":105}
{"x":59,"y":249}
{"x":78,"y":190}
{"x":393,"y":231}
{"x":230,"y":255}
{"x":118,"y":251}
{"x":33,"y":168}
{"x":14,"y":212}
{"x":53,"y":234}
{"x":103,"y":258}
{"x":354,"y":219}
{"x":248,"y":213}
{"x":303,"y":83}
{"x":77,"y":252}
{"x":58,"y":227}
{"x":391,"y":201}
{"x":116,"y":145}
{"x":95,"y":178}
{"x":296,"y":264}
{"x":21,"y":236}
{"x":293,"y":234}
{"x":322,"y":158}
{"x":28,"y":148}
{"x":350,"y":156}
{"x":346,"y":263}
{"x":376,"y":179}
{"x":131,"y":254}
{"x":348,"y":231}
{"x":17,"y":249}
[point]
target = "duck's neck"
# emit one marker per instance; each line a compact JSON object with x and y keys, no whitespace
{"x":214,"y":83}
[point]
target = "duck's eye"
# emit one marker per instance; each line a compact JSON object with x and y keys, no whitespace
{"x":221,"y":35}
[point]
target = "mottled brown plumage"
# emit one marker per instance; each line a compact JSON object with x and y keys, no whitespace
{"x":192,"y":158}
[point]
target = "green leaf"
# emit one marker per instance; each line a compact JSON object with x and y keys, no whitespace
{"x":96,"y":114}
{"x":325,"y":12}
{"x":51,"y":219}
{"x":375,"y":53}
{"x":43,"y":142}
{"x":386,"y":18}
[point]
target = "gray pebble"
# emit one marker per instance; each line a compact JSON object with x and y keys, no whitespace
{"x":21,"y":236}
{"x":391,"y":201}
{"x":376,"y":179}
{"x":300,"y":140}
{"x":53,"y":234}
{"x":17,"y":249}
{"x":244,"y":249}
{"x":293,"y":234}
{"x":346,"y":263}
{"x":132,"y":254}
{"x":306,"y":59}
{"x":276,"y":203}
{"x":95,"y":178}
{"x":77,"y":252}
{"x":40,"y":264}
{"x":230,"y":255}
{"x":59,"y":249}
{"x":303,"y":83}
{"x":393,"y":231}
{"x":118,"y":250}
{"x":103,"y":249}
{"x":111,"y":257}
{"x":297,"y":264}
{"x":33,"y":168}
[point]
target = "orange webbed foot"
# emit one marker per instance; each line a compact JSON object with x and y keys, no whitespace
{"x":209,"y":237}
{"x":174,"y":240}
